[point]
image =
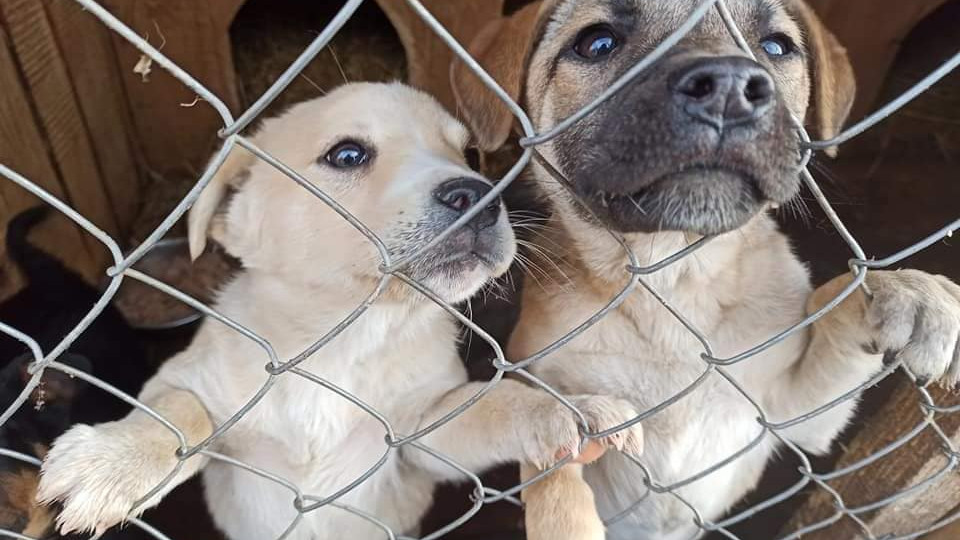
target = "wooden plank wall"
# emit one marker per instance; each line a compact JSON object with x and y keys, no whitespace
{"x":176,"y":139}
{"x":910,"y":465}
{"x":872,"y":31}
{"x":428,"y":57}
{"x":77,"y":120}
{"x":64,"y":124}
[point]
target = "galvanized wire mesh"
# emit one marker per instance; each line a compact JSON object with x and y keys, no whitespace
{"x":392,"y":268}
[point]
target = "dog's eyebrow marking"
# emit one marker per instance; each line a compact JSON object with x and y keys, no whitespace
{"x":769,"y":9}
{"x":623,"y":12}
{"x":624,"y":9}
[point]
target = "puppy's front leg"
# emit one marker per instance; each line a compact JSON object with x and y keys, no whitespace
{"x":560,"y":505}
{"x":98,"y":473}
{"x":516,"y":423}
{"x":907,"y":316}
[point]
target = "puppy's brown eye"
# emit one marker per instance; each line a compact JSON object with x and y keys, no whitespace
{"x":596,"y":42}
{"x":347,"y":155}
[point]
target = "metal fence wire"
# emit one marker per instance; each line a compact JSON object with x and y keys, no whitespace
{"x":393,"y":269}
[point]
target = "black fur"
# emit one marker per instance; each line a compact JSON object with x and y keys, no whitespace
{"x":51,"y":304}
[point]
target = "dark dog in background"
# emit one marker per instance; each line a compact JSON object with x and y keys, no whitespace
{"x":51,"y":304}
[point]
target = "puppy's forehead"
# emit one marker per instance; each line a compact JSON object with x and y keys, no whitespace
{"x":393,"y":110}
{"x":658,"y":18}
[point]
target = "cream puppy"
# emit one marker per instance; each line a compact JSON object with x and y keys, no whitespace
{"x":394,"y":158}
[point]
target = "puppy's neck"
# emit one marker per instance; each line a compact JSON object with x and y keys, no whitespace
{"x":596,"y":258}
{"x":318,"y":306}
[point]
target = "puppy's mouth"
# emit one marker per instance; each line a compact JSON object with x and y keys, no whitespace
{"x":465,"y":261}
{"x":454,"y":265}
{"x":701,"y":199}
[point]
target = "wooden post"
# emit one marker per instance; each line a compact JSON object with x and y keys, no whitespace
{"x":948,"y":532}
{"x":89,"y":58}
{"x":22,"y":149}
{"x":911,"y":464}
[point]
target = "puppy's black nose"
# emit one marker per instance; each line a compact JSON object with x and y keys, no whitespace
{"x":461,"y":194}
{"x":724,"y":91}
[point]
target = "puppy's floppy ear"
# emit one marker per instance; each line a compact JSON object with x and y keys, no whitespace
{"x":833,"y":87}
{"x":231,"y":174}
{"x":503,"y":48}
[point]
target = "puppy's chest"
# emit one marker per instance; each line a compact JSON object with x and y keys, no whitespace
{"x":348,"y":408}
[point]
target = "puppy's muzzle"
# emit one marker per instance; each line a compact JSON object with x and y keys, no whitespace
{"x":724,"y":92}
{"x":462,"y":194}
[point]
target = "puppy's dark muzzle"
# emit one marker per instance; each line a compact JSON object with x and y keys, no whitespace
{"x":462,"y":194}
{"x":724,"y":92}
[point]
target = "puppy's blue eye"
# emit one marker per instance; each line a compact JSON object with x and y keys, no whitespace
{"x":596,"y":42}
{"x":777,"y":45}
{"x":347,"y":155}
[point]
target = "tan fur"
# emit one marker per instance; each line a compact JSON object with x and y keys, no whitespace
{"x":835,"y":87}
{"x":201,"y":218}
{"x":564,"y":489}
{"x":19,"y":512}
{"x":503,"y":48}
{"x":740,"y":289}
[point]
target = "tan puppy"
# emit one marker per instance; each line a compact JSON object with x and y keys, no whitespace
{"x":702,"y":143}
{"x":394,"y":158}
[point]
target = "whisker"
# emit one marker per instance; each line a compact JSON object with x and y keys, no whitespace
{"x":526,"y":265}
{"x":469,"y":310}
{"x":533,"y":266}
{"x":336,"y":60}
{"x":315,"y":85}
{"x":543,"y":255}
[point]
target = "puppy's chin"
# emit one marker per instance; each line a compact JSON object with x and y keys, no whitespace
{"x":458,"y":278}
{"x":700,"y":201}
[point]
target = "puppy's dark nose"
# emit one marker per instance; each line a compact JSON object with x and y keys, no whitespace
{"x":725,"y":91}
{"x":461,"y":194}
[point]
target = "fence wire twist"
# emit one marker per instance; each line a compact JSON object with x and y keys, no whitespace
{"x":391,"y":268}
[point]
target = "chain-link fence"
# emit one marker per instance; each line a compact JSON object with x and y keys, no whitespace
{"x":392,"y":268}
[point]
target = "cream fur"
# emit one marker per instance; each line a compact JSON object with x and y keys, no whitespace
{"x":305,"y":270}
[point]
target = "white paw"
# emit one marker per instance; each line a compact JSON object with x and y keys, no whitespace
{"x":99,"y":473}
{"x":914,"y":317}
{"x":555,"y":431}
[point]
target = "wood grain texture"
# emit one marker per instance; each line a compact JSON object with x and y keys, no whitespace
{"x":910,"y":465}
{"x":56,"y":107}
{"x":872,"y":31}
{"x":948,"y":532}
{"x":177,"y":139}
{"x":22,"y":148}
{"x":92,"y":66}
